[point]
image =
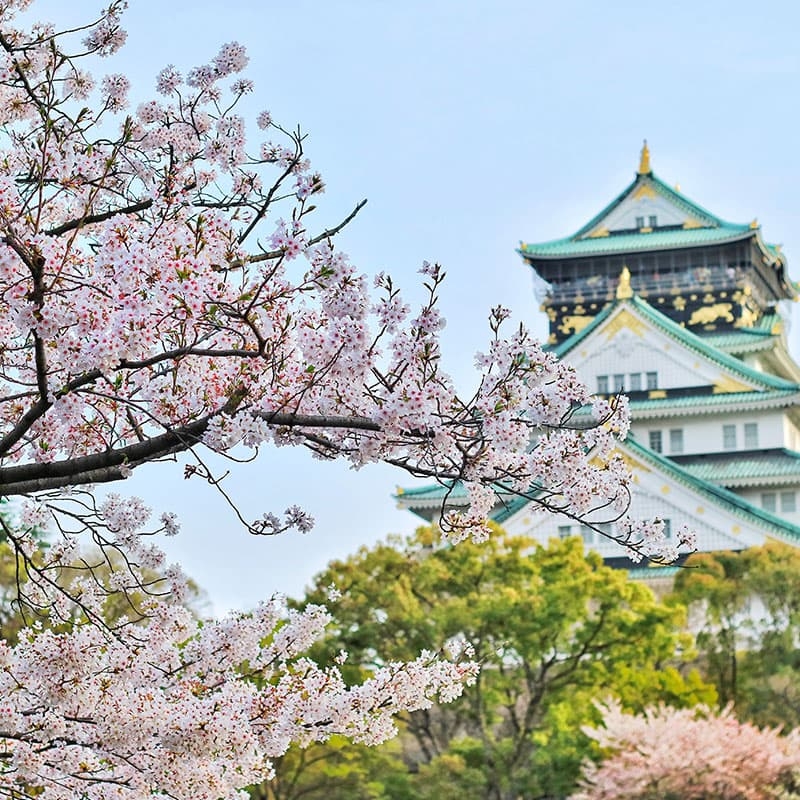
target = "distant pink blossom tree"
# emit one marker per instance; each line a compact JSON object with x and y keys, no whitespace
{"x":161,"y":291}
{"x":686,"y":754}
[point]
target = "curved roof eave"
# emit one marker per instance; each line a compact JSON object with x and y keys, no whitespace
{"x":646,"y":243}
{"x":714,"y":404}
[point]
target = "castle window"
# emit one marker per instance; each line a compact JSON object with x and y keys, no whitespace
{"x":751,"y":435}
{"x":729,"y":437}
{"x":768,"y":501}
{"x":788,"y":502}
{"x":653,"y":220}
{"x":635,"y":381}
{"x":564,"y":531}
{"x":655,"y":441}
{"x":640,"y":222}
{"x":676,"y":440}
{"x":667,"y":529}
{"x":602,"y":384}
{"x":652,"y":380}
{"x":588,"y":535}
{"x":619,"y":383}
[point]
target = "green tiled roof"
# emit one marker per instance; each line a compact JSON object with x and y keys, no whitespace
{"x":635,"y":242}
{"x":709,"y":402}
{"x":739,"y":468}
{"x":434,"y":491}
{"x":740,"y":341}
{"x":691,"y":340}
{"x":656,"y":184}
{"x":679,"y":472}
{"x":656,"y":571}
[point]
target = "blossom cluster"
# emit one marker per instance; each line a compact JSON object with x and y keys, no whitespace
{"x":171,"y":708}
{"x":137,"y":320}
{"x":688,"y":753}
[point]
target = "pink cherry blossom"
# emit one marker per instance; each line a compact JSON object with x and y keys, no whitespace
{"x":163,"y":289}
{"x":696,"y":754}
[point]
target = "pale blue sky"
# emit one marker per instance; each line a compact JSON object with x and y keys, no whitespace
{"x":469,"y":126}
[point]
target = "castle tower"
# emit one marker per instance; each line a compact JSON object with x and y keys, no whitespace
{"x":657,"y":298}
{"x":702,"y":272}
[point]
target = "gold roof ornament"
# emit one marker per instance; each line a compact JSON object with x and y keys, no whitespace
{"x":624,"y":290}
{"x":644,"y":160}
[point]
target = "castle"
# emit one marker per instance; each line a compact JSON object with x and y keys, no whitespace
{"x":687,"y":314}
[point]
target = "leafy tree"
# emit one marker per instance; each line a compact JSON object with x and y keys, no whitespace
{"x":687,"y":754}
{"x":746,"y":609}
{"x":553,"y":628}
{"x":336,"y":770}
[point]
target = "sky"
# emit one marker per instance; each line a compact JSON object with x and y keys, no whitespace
{"x":469,"y":125}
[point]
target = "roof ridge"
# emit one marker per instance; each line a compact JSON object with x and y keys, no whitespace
{"x":670,"y":194}
{"x":727,"y":496}
{"x":691,"y":339}
{"x":683,"y":335}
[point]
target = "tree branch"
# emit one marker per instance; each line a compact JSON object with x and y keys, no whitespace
{"x":114,"y":465}
{"x":89,"y":219}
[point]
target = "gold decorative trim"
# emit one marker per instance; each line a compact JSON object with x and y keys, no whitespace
{"x":574,"y":322}
{"x":725,"y":384}
{"x":644,"y":160}
{"x":708,"y":314}
{"x":747,"y":317}
{"x":624,"y":320}
{"x":624,"y":290}
{"x":645,"y":190}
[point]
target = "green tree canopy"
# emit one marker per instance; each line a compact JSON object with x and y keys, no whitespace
{"x":745,"y":607}
{"x":553,"y":628}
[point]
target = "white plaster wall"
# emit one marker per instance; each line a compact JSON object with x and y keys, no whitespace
{"x":654,"y":496}
{"x":627,"y":353}
{"x":703,"y":434}
{"x":791,"y":434}
{"x":624,"y":216}
{"x":755,"y":496}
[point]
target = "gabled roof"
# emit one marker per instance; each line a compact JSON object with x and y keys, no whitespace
{"x":428,"y":497}
{"x":740,"y":506}
{"x":683,"y":336}
{"x":624,"y":225}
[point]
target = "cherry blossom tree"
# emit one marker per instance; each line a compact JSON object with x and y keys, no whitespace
{"x":687,"y":754}
{"x":162,"y":291}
